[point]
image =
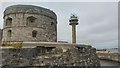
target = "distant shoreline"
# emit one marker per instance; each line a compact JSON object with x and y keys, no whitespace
{"x":109,"y":60}
{"x":109,"y":56}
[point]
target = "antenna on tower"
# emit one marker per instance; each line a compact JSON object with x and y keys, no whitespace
{"x":73,"y":15}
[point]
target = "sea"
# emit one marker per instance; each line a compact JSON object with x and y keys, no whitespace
{"x":110,"y":64}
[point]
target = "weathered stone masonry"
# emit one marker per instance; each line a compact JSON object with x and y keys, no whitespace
{"x":29,"y":24}
{"x":45,"y":55}
{"x":36,"y":29}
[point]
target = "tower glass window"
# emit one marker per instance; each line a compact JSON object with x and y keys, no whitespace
{"x":34,"y":33}
{"x":8,"y":21}
{"x":9,"y":33}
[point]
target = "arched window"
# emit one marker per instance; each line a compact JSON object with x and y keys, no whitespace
{"x":8,"y":21}
{"x":9,"y":33}
{"x":34,"y":33}
{"x":31,"y":21}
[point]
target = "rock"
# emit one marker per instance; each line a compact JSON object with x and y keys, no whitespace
{"x":72,"y":57}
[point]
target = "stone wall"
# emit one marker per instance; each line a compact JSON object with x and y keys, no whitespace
{"x":81,"y":56}
{"x":0,"y":36}
{"x":29,"y":23}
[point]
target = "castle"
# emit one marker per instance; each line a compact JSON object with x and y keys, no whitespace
{"x":36,"y":28}
{"x":27,"y":23}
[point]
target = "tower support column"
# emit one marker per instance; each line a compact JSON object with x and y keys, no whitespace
{"x":73,"y":33}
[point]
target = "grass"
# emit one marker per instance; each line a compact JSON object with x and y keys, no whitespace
{"x":16,"y":45}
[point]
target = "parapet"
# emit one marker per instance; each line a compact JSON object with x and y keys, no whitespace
{"x":30,"y":9}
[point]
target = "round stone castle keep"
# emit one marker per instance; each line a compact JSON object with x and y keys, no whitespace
{"x":28,"y":23}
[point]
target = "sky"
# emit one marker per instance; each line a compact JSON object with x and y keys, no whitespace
{"x":98,"y":21}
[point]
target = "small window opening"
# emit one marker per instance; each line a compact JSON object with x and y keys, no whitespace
{"x":34,"y":33}
{"x":31,"y":19}
{"x":9,"y":33}
{"x":51,"y":23}
{"x":9,"y":22}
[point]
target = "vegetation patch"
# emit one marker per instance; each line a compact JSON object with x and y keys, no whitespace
{"x":16,"y":45}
